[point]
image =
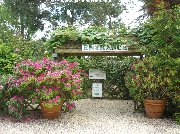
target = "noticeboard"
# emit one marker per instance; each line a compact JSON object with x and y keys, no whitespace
{"x":97,"y":90}
{"x":97,"y":74}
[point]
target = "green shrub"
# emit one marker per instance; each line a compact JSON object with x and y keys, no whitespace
{"x":7,"y":59}
{"x":115,"y":68}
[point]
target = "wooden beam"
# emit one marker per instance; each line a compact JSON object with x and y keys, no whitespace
{"x":78,"y":52}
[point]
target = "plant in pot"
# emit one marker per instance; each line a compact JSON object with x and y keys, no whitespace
{"x":48,"y":83}
{"x":151,"y":80}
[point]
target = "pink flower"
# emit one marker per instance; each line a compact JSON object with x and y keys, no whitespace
{"x":37,"y":90}
{"x":57,"y":97}
{"x":73,"y":104}
{"x":86,"y":75}
{"x":78,"y":87}
{"x":63,"y":79}
{"x":70,"y":108}
{"x":50,"y":101}
{"x":54,"y":100}
{"x":74,"y":90}
{"x":15,"y":97}
{"x":33,"y":100}
{"x":50,"y":90}
{"x":67,"y":84}
{"x":64,"y":62}
{"x":78,"y":81}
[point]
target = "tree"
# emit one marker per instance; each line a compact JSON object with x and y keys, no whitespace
{"x":151,"y":6}
{"x":8,"y":24}
{"x":28,"y":14}
{"x":94,"y":13}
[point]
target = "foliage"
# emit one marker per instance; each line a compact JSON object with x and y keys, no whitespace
{"x":151,"y":6}
{"x":81,"y":13}
{"x":152,"y":78}
{"x":7,"y":59}
{"x":68,"y":36}
{"x":28,"y":49}
{"x":64,"y":36}
{"x":16,"y":107}
{"x":115,"y":68}
{"x":7,"y":24}
{"x":161,"y":31}
{"x":29,"y":16}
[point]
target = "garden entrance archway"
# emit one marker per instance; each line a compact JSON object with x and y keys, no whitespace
{"x":78,"y":52}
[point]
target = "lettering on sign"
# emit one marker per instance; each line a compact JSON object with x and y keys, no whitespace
{"x":97,"y":74}
{"x":97,"y":90}
{"x":99,"y":47}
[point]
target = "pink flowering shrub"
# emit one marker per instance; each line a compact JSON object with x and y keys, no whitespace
{"x":16,"y":106}
{"x":47,"y":82}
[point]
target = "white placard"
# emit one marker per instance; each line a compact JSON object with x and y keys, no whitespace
{"x":97,"y":74}
{"x":101,"y":47}
{"x":54,"y":55}
{"x":97,"y":90}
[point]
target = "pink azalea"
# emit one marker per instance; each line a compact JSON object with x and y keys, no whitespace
{"x":78,"y":86}
{"x":74,"y":90}
{"x":64,"y":62}
{"x":70,"y":108}
{"x":50,"y":101}
{"x":78,"y":81}
{"x":63,"y":79}
{"x":54,"y":100}
{"x":50,"y":90}
{"x":73,"y":104}
{"x":15,"y":97}
{"x":33,"y":100}
{"x":67,"y":84}
{"x":57,"y":97}
{"x":86,"y":75}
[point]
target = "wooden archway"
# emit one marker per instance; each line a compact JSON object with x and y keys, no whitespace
{"x":78,"y":52}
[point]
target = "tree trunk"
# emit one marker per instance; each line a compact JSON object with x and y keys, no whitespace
{"x":110,"y":22}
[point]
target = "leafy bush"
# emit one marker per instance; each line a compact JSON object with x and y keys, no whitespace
{"x":7,"y":59}
{"x":115,"y":68}
{"x":63,"y":37}
{"x":70,"y":37}
{"x":152,"y":78}
{"x":161,"y":31}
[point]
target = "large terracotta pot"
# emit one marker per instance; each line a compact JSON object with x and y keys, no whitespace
{"x":51,"y":113}
{"x":154,"y":108}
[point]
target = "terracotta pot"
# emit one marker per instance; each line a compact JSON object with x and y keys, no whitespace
{"x":51,"y":113}
{"x":154,"y":108}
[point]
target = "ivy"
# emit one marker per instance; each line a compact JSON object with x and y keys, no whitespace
{"x":71,"y":37}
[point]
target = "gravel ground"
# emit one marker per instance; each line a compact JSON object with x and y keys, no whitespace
{"x":94,"y":117}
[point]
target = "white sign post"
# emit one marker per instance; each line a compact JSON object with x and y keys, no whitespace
{"x":97,"y":90}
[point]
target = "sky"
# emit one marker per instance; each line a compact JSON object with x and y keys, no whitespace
{"x":128,"y":17}
{"x":133,"y":12}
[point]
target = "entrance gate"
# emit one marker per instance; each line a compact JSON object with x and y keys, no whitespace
{"x":78,"y":52}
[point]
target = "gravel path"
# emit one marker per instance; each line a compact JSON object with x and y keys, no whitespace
{"x":95,"y":117}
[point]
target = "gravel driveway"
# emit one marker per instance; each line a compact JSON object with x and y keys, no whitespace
{"x":95,"y":117}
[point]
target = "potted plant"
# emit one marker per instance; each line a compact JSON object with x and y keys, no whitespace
{"x":49,"y":83}
{"x":151,"y":81}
